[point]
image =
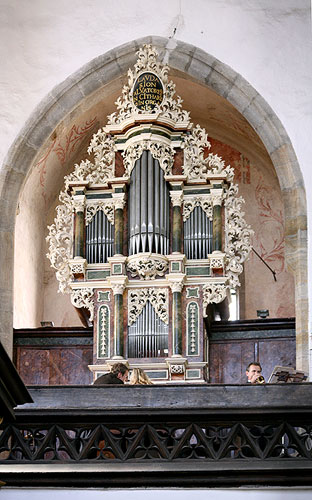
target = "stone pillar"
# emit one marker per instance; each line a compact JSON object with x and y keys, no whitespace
{"x":176,"y":199}
{"x":119,"y":203}
{"x":79,"y":199}
{"x":216,"y":198}
{"x":118,"y":290}
{"x":176,"y":288}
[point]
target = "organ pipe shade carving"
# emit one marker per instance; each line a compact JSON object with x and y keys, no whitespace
{"x":99,"y":239}
{"x":148,"y":207}
{"x":148,"y":335}
{"x":197,"y":235}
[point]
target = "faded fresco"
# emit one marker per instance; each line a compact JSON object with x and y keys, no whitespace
{"x":258,"y":184}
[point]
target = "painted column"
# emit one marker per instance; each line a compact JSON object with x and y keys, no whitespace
{"x":216,"y":198}
{"x":176,"y":199}
{"x":118,"y":290}
{"x":176,"y":288}
{"x":119,"y":202}
{"x":79,"y":223}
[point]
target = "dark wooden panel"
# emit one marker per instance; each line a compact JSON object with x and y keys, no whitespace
{"x":234,"y":344}
{"x":56,"y":366}
{"x":278,"y":352}
{"x":227,"y":361}
{"x":33,"y":365}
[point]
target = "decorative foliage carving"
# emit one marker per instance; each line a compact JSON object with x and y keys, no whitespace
{"x":107,"y":206}
{"x":237,"y":236}
{"x":147,"y":267}
{"x":161,"y":152}
{"x":171,"y":107}
{"x":137,"y":299}
{"x":195,"y":164}
{"x":203,"y":201}
{"x":192,"y":329}
{"x":103,"y":147}
{"x":60,"y":240}
{"x":82,"y":297}
{"x":213,"y":293}
{"x":103,"y":329}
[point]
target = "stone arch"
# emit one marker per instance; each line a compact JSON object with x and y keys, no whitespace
{"x":208,"y":71}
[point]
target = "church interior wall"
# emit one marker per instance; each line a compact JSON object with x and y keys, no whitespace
{"x":30,"y":74}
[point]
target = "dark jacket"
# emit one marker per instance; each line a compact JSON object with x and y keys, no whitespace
{"x":108,"y":378}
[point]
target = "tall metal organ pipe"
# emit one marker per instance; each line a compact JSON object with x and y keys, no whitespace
{"x":197,"y":235}
{"x":148,"y":207}
{"x":99,"y":239}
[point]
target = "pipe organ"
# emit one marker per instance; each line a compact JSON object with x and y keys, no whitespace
{"x":147,"y":251}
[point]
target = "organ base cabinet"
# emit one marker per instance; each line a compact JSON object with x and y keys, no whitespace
{"x":149,"y":232}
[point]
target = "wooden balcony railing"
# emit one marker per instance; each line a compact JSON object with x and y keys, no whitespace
{"x":156,"y":436}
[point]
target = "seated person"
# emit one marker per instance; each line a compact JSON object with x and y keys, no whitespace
{"x":118,"y":375}
{"x":139,"y":377}
{"x":253,"y":373}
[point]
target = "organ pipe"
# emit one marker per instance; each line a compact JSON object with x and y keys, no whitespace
{"x":198,"y":235}
{"x":148,"y":207}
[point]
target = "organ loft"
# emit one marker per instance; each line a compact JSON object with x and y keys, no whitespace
{"x":149,"y":235}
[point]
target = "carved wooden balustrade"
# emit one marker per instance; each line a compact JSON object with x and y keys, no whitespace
{"x":122,"y":436}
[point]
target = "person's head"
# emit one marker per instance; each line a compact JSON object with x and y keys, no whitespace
{"x":253,"y":371}
{"x":121,"y":371}
{"x":138,"y":376}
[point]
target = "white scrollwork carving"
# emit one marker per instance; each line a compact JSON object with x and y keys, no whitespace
{"x":138,"y":298}
{"x":238,"y":236}
{"x":213,"y":293}
{"x":60,"y":240}
{"x":107,"y":206}
{"x":147,"y":267}
{"x":103,"y":147}
{"x":83,"y":297}
{"x":176,"y":198}
{"x":161,"y":152}
{"x":171,"y":107}
{"x":195,"y":164}
{"x":203,"y":201}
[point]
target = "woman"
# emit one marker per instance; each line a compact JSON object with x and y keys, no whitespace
{"x":139,"y":377}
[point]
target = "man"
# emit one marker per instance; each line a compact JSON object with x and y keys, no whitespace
{"x":118,"y":375}
{"x":253,"y":372}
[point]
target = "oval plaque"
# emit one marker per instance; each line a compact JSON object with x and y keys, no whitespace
{"x":147,"y":92}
